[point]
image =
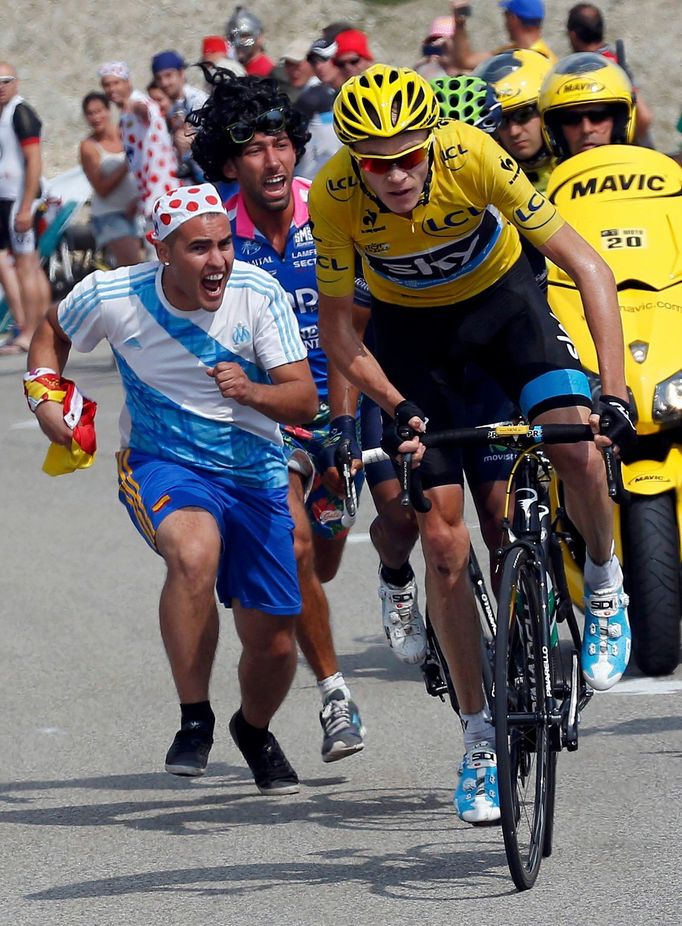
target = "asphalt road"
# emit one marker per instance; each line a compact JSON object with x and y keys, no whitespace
{"x":93,"y":830}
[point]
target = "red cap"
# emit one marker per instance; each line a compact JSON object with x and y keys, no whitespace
{"x":214,"y":45}
{"x":353,"y":41}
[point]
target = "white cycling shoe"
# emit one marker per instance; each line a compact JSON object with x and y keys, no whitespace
{"x":403,"y":624}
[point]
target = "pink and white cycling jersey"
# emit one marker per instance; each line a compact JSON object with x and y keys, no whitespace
{"x":150,"y":152}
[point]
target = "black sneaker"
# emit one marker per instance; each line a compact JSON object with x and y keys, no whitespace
{"x":270,"y":767}
{"x":189,"y":750}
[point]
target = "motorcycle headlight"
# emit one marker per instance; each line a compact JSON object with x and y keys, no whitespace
{"x":596,"y":390}
{"x":668,"y":399}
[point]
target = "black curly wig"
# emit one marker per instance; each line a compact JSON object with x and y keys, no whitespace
{"x":238,"y":99}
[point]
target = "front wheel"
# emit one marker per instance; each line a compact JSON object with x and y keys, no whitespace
{"x":652,"y":578}
{"x":525,"y":760}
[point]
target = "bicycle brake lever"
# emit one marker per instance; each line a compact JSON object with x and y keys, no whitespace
{"x":343,"y":464}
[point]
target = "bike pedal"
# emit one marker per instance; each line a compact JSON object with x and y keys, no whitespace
{"x":433,"y":680}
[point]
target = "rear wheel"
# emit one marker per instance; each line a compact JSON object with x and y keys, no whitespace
{"x":526,"y":763}
{"x":652,"y":575}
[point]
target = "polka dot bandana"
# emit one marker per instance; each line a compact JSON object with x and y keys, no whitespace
{"x":175,"y":208}
{"x":114,"y":69}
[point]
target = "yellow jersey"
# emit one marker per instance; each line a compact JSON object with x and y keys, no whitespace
{"x":539,"y":45}
{"x":452,"y":247}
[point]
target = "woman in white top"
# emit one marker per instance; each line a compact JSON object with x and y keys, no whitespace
{"x":114,"y":200}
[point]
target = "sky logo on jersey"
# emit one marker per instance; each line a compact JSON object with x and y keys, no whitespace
{"x":241,"y":335}
{"x":439,"y":265}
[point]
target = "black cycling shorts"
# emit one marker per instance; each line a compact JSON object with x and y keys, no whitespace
{"x":508,"y":330}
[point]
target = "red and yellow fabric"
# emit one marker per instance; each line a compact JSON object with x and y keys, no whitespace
{"x":45,"y":385}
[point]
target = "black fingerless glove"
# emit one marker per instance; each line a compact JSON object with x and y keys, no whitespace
{"x":341,"y":428}
{"x":615,"y":422}
{"x":398,"y":430}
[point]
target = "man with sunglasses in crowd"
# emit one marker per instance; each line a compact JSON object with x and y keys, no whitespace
{"x":20,"y":182}
{"x":251,"y":133}
{"x":352,"y":53}
{"x":435,"y":210}
{"x":586,"y":101}
{"x":516,"y":77}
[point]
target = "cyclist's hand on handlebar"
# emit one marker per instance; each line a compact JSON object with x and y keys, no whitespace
{"x":612,"y":424}
{"x":329,"y":464}
{"x":402,"y":434}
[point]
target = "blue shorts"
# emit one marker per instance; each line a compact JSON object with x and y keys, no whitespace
{"x":257,"y":563}
{"x":325,"y":509}
{"x":111,"y":226}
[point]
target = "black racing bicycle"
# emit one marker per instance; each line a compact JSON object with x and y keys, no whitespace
{"x":535,"y":691}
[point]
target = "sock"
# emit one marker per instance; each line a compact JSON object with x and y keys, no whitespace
{"x":476,"y":728}
{"x":398,"y":577}
{"x":599,"y":577}
{"x":247,"y":734}
{"x":198,"y":712}
{"x":334,"y":682}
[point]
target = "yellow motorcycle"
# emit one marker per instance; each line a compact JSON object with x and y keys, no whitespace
{"x":627,"y":202}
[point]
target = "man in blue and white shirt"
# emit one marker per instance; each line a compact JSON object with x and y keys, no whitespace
{"x":249,"y":132}
{"x":211,"y":359}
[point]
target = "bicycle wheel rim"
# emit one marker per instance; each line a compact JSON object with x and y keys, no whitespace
{"x":523,"y":749}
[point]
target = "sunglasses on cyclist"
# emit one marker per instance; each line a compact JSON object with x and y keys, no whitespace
{"x":575,"y":117}
{"x":519,"y":116}
{"x":271,"y":122}
{"x":349,"y":62}
{"x":7,"y":79}
{"x":383,"y":163}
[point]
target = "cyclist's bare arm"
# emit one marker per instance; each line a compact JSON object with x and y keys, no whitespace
{"x":597,"y":287}
{"x":344,"y":395}
{"x":344,"y":348}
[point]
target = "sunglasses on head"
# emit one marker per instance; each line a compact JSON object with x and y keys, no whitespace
{"x":270,"y":122}
{"x":519,"y":116}
{"x":383,"y":163}
{"x":349,"y":62}
{"x":575,"y":117}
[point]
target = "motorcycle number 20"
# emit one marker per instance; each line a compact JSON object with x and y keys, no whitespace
{"x":616,"y":238}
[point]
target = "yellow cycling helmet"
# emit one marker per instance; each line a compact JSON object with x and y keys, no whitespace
{"x":586,"y":77}
{"x":516,"y":76}
{"x":382,"y":102}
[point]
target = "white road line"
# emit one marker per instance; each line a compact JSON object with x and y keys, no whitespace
{"x":646,"y":686}
{"x":358,"y":538}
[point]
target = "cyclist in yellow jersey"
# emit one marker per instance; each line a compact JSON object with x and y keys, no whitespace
{"x":434,"y":210}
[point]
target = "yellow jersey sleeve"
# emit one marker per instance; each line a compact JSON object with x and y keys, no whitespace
{"x":497,"y":179}
{"x":330,"y":219}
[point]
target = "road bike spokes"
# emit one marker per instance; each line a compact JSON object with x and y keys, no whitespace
{"x":526,"y":761}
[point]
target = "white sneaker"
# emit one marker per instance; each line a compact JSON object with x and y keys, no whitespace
{"x":403,"y":624}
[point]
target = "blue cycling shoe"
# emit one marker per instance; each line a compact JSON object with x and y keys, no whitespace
{"x":477,"y":798}
{"x":607,"y":639}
